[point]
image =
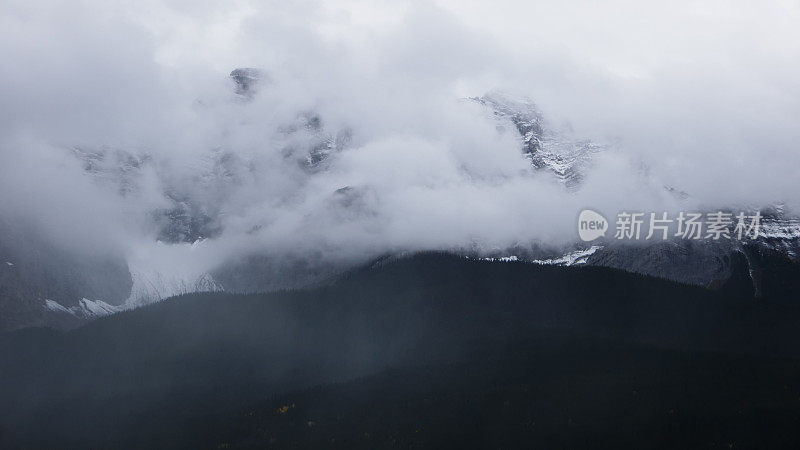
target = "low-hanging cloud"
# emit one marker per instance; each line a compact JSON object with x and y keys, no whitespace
{"x":683,"y":98}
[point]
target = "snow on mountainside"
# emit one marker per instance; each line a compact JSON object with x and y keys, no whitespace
{"x":150,"y":286}
{"x":570,"y":259}
{"x":85,"y":309}
{"x":546,"y":148}
{"x":781,"y":233}
{"x":166,"y":270}
{"x":702,"y":263}
{"x":193,"y":203}
{"x":311,"y":145}
{"x":195,"y":214}
{"x":157,"y":273}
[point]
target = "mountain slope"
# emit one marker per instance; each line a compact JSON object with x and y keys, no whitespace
{"x":49,"y":287}
{"x":550,"y":392}
{"x":145,"y":373}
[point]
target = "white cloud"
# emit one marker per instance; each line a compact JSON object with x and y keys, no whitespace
{"x":705,"y":96}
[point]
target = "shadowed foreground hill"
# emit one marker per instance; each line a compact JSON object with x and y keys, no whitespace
{"x":449,"y":338}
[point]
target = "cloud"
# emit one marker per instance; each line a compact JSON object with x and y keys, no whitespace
{"x":700,"y":98}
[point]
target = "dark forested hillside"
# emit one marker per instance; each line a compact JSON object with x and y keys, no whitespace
{"x":456,"y":335}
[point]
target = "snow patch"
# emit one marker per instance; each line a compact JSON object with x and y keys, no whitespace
{"x":570,"y":259}
{"x":784,"y":229}
{"x":503,"y":259}
{"x":166,"y":270}
{"x":150,"y":286}
{"x":85,"y":309}
{"x":158,"y":271}
{"x":55,"y":307}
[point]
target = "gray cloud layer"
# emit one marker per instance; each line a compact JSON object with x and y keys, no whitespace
{"x":705,"y":99}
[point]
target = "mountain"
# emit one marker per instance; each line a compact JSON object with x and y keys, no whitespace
{"x":703,"y":263}
{"x":34,"y":271}
{"x":547,"y":149}
{"x":47,"y":285}
{"x":247,"y":80}
{"x":203,"y":370}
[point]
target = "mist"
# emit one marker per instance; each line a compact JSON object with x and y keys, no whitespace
{"x":697,"y":100}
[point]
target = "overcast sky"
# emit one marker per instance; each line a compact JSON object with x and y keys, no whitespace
{"x":702,"y":96}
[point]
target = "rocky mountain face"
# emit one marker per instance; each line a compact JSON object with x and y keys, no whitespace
{"x":35,"y":273}
{"x":43,"y":285}
{"x":547,"y":149}
{"x":247,"y":80}
{"x":708,"y":262}
{"x":698,"y":262}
